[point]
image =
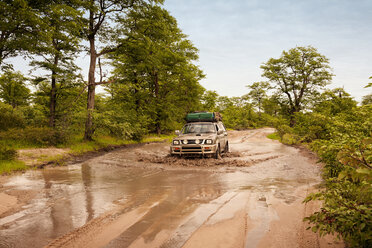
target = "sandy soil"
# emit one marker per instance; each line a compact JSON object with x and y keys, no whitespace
{"x":141,"y":197}
{"x":38,"y":156}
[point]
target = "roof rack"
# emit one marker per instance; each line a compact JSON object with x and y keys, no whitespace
{"x":203,"y":116}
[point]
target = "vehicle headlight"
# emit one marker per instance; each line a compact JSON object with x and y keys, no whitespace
{"x":176,"y":142}
{"x":209,"y":141}
{"x":197,"y":141}
{"x":184,"y":142}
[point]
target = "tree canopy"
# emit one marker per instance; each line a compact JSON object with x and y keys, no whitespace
{"x":298,"y":75}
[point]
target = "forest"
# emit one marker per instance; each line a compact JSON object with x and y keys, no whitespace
{"x":146,"y":71}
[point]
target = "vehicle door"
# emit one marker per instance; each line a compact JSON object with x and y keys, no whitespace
{"x":222,"y":135}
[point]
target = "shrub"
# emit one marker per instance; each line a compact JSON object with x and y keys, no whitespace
{"x":7,"y":153}
{"x":39,"y":136}
{"x":9,"y":117}
{"x":283,"y":129}
{"x":347,"y":198}
{"x":289,"y":139}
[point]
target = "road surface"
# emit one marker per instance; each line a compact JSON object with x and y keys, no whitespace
{"x":141,"y":197}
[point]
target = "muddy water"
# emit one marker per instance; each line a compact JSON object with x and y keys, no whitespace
{"x":140,"y":197}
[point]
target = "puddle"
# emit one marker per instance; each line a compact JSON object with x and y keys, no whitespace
{"x":171,"y":197}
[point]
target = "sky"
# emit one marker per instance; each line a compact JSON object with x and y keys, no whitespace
{"x":235,"y":37}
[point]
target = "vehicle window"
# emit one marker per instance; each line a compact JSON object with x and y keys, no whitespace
{"x":221,"y":126}
{"x":198,"y":128}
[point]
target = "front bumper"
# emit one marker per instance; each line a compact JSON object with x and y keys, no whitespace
{"x":193,"y":149}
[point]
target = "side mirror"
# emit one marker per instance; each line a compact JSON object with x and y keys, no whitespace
{"x":220,"y":132}
{"x":177,"y":132}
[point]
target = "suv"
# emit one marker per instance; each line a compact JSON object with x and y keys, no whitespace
{"x":201,"y":136}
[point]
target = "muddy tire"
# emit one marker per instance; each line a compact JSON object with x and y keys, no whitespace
{"x":226,"y":150}
{"x":217,"y":155}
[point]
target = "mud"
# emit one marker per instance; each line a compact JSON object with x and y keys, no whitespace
{"x":141,"y":197}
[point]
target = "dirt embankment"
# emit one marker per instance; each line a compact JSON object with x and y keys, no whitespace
{"x":141,"y":197}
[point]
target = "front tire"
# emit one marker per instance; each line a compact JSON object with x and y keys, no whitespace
{"x":217,"y":155}
{"x":226,"y":148}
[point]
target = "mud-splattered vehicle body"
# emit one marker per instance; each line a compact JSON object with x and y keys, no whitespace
{"x":203,"y":136}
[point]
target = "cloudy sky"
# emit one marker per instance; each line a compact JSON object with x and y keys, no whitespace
{"x":236,"y":37}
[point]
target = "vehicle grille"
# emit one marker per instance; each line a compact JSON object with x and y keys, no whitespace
{"x":193,"y":141}
{"x":191,"y":149}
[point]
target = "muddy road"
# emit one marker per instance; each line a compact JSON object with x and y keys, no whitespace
{"x":140,"y":197}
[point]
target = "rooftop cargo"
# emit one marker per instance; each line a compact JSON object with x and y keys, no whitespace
{"x":203,"y":116}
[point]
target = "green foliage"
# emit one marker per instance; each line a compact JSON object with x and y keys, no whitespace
{"x":10,"y":118}
{"x":273,"y":136}
{"x":367,"y":99}
{"x":289,"y":139}
{"x":7,"y":166}
{"x":40,"y":136}
{"x":297,"y":75}
{"x":156,"y":83}
{"x":13,"y":89}
{"x":19,"y":28}
{"x":347,"y":154}
{"x":311,"y":126}
{"x":283,"y":129}
{"x":258,"y":93}
{"x":7,"y":153}
{"x":333,"y":102}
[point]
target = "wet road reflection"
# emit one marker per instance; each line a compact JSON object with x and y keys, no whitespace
{"x":139,"y":204}
{"x":69,"y":197}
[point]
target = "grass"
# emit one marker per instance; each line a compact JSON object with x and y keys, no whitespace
{"x":9,"y":166}
{"x":273,"y":136}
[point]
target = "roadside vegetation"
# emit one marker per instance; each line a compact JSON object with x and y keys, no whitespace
{"x":146,"y":70}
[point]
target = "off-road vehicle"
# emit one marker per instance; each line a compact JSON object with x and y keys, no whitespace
{"x":203,"y":135}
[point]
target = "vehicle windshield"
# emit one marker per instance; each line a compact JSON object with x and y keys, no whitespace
{"x":198,"y":128}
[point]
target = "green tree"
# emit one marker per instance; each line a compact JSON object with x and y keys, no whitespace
{"x":258,"y":93}
{"x":367,"y":99}
{"x":13,"y":89}
{"x":103,"y":15}
{"x":154,"y":61}
{"x":297,"y":75}
{"x":209,"y":100}
{"x":332,"y":102}
{"x":19,"y":26}
{"x":369,"y":84}
{"x":56,"y":53}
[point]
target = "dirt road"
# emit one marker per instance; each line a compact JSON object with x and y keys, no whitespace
{"x":140,"y":197}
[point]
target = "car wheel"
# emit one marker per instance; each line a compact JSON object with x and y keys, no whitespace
{"x":217,"y":155}
{"x":226,"y":147}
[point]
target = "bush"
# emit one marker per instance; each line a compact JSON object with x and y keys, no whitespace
{"x":289,"y":139}
{"x":39,"y":136}
{"x":346,"y":152}
{"x":7,"y":153}
{"x":9,"y":117}
{"x":283,"y":129}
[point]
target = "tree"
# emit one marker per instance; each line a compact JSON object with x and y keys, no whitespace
{"x":369,"y":84}
{"x":332,"y":102}
{"x":367,"y":99}
{"x":258,"y":93}
{"x":154,"y":61}
{"x":19,"y":24}
{"x":297,"y":75}
{"x":13,"y":90}
{"x":102,"y":17}
{"x":209,"y":100}
{"x":57,"y":51}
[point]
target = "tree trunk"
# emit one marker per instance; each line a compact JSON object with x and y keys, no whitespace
{"x":89,"y":130}
{"x":53,"y":100}
{"x":157,"y":121}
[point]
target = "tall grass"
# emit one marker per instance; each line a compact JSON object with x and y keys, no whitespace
{"x":9,"y":166}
